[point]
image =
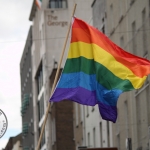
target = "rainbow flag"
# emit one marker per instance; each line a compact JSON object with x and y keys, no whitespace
{"x":38,"y":3}
{"x":97,"y":71}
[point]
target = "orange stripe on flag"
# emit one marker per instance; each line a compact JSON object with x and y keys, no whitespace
{"x":88,"y":34}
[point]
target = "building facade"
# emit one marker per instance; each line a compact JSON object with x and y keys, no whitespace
{"x":90,"y":129}
{"x":61,"y":123}
{"x":14,"y":143}
{"x":50,"y":25}
{"x":70,"y":125}
{"x":128,"y":23}
{"x":98,"y":132}
{"x":26,"y":95}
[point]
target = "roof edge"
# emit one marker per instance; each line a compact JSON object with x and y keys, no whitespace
{"x":33,"y":10}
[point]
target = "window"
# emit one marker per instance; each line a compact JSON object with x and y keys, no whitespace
{"x":53,"y":131}
{"x":120,"y":7}
{"x":25,"y":103}
{"x":93,"y":108}
{"x":25,"y":129}
{"x":76,"y":113}
{"x":139,"y":117}
{"x":122,"y":42}
{"x":117,"y":124}
{"x":43,"y":138}
{"x":103,"y":29}
{"x":144,"y":32}
{"x":81,"y":113}
{"x":101,"y":134}
{"x":58,"y":4}
{"x":87,"y":111}
{"x":118,"y":141}
{"x":134,"y":47}
{"x":108,"y":134}
{"x":28,"y":75}
{"x":126,"y":118}
{"x":103,"y":25}
{"x":111,"y":16}
{"x":40,"y":79}
{"x":88,"y":139}
{"x":41,"y":107}
{"x":94,"y":137}
{"x":143,"y":15}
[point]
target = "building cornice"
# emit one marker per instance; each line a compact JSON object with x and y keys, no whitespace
{"x":33,"y":10}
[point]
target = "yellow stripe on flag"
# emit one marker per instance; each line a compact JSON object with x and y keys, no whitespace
{"x":92,"y":51}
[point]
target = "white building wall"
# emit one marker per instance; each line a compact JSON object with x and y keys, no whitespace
{"x":48,"y":42}
{"x":103,"y":134}
{"x":17,"y":146}
{"x":57,"y":34}
{"x":133,"y":107}
{"x":92,"y":121}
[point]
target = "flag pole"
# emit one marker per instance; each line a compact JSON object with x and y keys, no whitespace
{"x":55,"y":80}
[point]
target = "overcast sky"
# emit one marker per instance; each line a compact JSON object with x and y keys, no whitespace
{"x":14,"y":26}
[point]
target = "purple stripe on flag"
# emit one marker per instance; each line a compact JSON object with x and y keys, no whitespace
{"x":79,"y":95}
{"x":108,"y":112}
{"x":104,"y":96}
{"x":85,"y":97}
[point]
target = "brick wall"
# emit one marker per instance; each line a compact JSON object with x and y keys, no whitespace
{"x":64,"y":125}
